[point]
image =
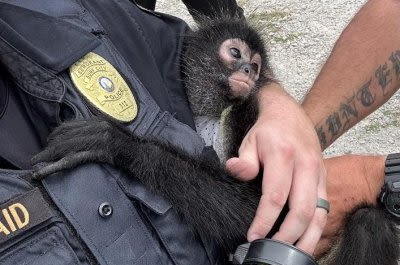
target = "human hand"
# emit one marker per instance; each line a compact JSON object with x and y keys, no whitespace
{"x":351,"y":180}
{"x":283,"y":141}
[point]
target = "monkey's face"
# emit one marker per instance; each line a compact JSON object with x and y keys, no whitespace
{"x":244,"y":66}
{"x":224,"y":63}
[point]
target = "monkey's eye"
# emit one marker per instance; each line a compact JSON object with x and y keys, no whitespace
{"x":235,"y":53}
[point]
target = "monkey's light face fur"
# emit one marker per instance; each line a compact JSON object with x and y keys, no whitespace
{"x":236,"y":55}
{"x":224,"y":62}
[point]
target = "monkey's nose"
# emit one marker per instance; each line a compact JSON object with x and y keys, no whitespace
{"x":246,"y":69}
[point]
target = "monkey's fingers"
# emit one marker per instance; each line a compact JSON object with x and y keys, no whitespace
{"x":70,"y":143}
{"x":61,"y":147}
{"x":76,"y":126}
{"x":73,"y":129}
{"x":72,"y":161}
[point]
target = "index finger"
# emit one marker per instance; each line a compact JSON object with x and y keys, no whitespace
{"x":302,"y":203}
{"x":277,"y":180}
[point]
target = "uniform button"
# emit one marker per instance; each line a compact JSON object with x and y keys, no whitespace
{"x":105,"y":210}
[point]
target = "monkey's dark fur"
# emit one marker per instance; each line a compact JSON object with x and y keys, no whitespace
{"x":370,"y":236}
{"x":197,"y":188}
{"x":200,"y":189}
{"x":216,"y":205}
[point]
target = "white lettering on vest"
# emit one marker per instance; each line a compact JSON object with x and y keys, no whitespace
{"x":18,"y":219}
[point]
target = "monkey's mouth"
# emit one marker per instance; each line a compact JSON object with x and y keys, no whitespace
{"x":240,"y":86}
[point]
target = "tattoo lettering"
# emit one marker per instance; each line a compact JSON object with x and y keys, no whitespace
{"x":365,"y":96}
{"x":334,"y":123}
{"x":395,"y":58}
{"x":348,"y":110}
{"x":321,"y":136}
{"x":382,"y":74}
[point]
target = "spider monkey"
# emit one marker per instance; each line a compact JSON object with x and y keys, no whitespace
{"x":236,"y":65}
{"x":224,"y":67}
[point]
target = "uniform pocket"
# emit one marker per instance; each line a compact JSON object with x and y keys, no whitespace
{"x":176,"y":236}
{"x":43,"y":248}
{"x":31,"y":232}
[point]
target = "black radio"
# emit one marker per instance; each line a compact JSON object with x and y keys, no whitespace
{"x":390,"y":194}
{"x":271,"y":252}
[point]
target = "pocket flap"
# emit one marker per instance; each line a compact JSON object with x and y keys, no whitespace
{"x":136,"y":190}
{"x":49,"y":41}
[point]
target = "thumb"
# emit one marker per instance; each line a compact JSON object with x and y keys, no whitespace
{"x":246,"y":166}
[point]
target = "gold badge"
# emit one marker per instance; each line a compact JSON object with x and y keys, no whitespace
{"x":101,"y":84}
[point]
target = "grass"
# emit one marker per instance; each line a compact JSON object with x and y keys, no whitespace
{"x":269,"y":23}
{"x":391,"y":121}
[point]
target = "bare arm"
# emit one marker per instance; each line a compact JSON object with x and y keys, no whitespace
{"x":362,"y":72}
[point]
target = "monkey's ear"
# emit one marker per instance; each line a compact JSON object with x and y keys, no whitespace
{"x":223,"y":14}
{"x":203,"y":11}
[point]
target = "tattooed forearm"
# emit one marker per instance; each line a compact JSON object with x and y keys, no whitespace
{"x":382,"y":75}
{"x":340,"y":121}
{"x":347,"y":111}
{"x":333,"y":123}
{"x":382,"y":84}
{"x":321,"y":136}
{"x":365,"y":96}
{"x":395,"y":59}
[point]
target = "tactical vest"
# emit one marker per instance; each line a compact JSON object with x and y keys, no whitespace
{"x":93,"y":214}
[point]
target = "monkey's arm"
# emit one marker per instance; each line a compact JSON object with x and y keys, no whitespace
{"x":362,"y":72}
{"x":215,"y":204}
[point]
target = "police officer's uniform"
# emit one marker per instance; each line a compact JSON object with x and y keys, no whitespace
{"x":92,"y":214}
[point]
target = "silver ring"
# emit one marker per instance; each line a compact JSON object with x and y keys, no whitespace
{"x":324,"y":204}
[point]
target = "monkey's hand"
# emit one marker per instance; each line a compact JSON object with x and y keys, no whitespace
{"x":351,"y":180}
{"x":77,"y":142}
